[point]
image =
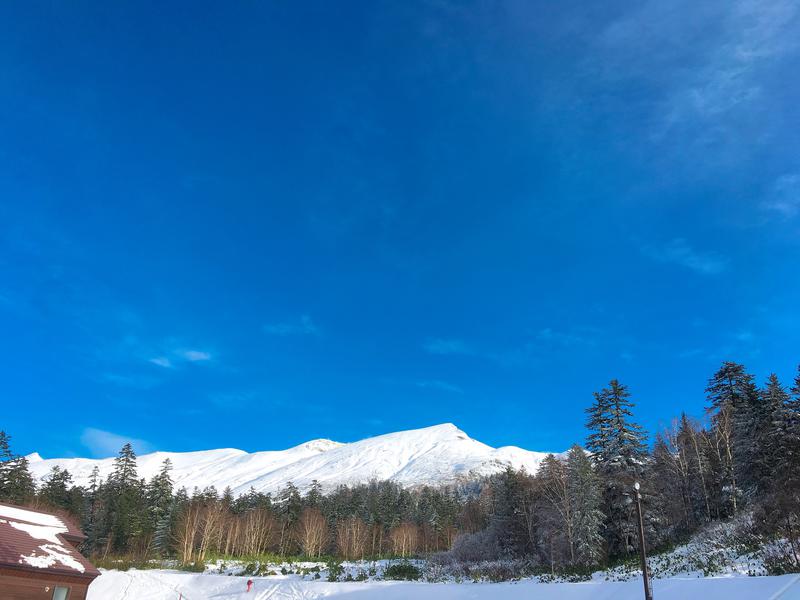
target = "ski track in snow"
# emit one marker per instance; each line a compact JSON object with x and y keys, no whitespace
{"x":168,"y":585}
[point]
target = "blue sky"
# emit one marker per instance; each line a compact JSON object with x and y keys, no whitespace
{"x":258,"y":223}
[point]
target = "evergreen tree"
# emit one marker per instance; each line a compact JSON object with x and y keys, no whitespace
{"x":16,"y":481}
{"x":125,"y":499}
{"x":159,"y":498}
{"x":5,"y":448}
{"x":512,"y":513}
{"x":314,"y":494}
{"x":733,"y":399}
{"x":584,"y":490}
{"x":227,"y":497}
{"x":782,"y":506}
{"x":55,"y":489}
{"x":619,"y":454}
{"x":789,"y":460}
{"x":771,"y":433}
{"x":92,"y":507}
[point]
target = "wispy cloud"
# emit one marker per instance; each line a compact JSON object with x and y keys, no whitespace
{"x":447,"y":346}
{"x":437,"y":384}
{"x":195,"y":355}
{"x":713,"y":82}
{"x":784,"y":197}
{"x":102,"y":443}
{"x":305,"y":326}
{"x":181,"y":355}
{"x":679,"y":252}
{"x":162,"y":361}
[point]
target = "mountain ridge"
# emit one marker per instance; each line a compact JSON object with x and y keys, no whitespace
{"x":436,"y":455}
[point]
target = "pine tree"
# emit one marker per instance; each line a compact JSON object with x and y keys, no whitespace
{"x":16,"y":481}
{"x":736,"y":414}
{"x":125,"y":473}
{"x":772,"y":431}
{"x":158,"y":493}
{"x":227,"y":497}
{"x":125,"y":499}
{"x":5,"y":448}
{"x":790,"y":459}
{"x":56,"y":487}
{"x":512,"y":515}
{"x":92,"y":509}
{"x":314,"y":494}
{"x":619,"y":454}
{"x":780,"y":503}
{"x":290,"y":505}
{"x":585,"y":493}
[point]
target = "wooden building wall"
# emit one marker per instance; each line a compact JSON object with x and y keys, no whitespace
{"x":25,"y":586}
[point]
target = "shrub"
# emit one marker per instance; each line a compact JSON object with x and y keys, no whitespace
{"x":498,"y":570}
{"x":475,"y":547}
{"x":335,"y":570}
{"x":778,"y":560}
{"x":402,"y":571}
{"x":193,"y":567}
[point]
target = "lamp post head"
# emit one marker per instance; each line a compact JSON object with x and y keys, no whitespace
{"x":636,"y":486}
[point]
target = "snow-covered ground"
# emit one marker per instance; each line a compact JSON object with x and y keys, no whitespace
{"x":172,"y":585}
{"x":434,"y":456}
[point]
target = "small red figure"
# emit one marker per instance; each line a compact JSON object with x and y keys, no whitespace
{"x":249,"y":584}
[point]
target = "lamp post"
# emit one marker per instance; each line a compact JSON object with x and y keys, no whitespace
{"x":648,"y":593}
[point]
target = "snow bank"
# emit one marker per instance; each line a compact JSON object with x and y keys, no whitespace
{"x":168,"y":585}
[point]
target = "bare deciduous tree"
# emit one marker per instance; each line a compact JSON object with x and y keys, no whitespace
{"x":312,"y":532}
{"x":404,"y":539}
{"x":351,"y":538}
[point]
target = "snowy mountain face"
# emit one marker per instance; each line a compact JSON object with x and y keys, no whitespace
{"x":431,"y":456}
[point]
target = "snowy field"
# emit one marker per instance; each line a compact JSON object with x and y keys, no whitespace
{"x":173,"y":585}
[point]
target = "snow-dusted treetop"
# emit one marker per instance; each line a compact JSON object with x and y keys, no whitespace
{"x":430,"y":456}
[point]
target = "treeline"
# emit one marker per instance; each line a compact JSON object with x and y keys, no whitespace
{"x":576,"y":512}
{"x":126,"y":515}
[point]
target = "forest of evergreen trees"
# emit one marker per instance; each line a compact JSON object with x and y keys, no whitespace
{"x":575,"y":512}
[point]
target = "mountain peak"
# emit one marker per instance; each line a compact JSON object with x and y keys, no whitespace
{"x":320,"y":445}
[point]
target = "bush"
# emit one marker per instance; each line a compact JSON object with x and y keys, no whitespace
{"x":499,"y":570}
{"x":778,"y":560}
{"x":335,"y":570}
{"x":193,"y":567}
{"x":475,"y":547}
{"x":402,"y":571}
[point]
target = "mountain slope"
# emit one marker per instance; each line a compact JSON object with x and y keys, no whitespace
{"x":430,"y":456}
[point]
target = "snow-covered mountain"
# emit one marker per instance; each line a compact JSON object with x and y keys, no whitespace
{"x":433,"y":456}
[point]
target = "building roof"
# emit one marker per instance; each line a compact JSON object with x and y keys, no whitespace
{"x":37,"y":541}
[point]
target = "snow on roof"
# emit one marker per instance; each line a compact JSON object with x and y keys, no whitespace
{"x":30,"y":516}
{"x":36,"y":539}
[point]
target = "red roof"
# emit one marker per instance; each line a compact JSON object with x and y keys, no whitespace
{"x":41,"y":542}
